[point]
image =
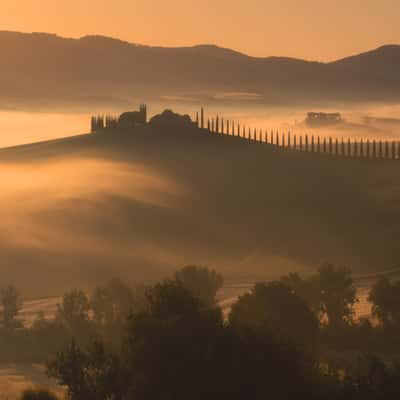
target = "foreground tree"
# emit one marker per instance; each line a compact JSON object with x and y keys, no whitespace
{"x":177,"y":348}
{"x":172,"y":344}
{"x":337,"y":294}
{"x":111,"y":306}
{"x":11,"y":304}
{"x":274,"y":309}
{"x":306,"y":288}
{"x":202,"y":282}
{"x":73,"y":314}
{"x":385,"y":299}
{"x":91,"y":374}
{"x":330,"y":293}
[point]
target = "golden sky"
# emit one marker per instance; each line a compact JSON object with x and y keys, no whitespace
{"x":312,"y":29}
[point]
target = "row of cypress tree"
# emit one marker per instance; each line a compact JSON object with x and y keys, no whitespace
{"x":375,"y":149}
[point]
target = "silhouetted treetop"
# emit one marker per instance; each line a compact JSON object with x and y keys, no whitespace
{"x":276,"y":310}
{"x":202,"y":282}
{"x":169,"y":118}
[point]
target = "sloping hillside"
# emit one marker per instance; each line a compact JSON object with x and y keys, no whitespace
{"x":43,"y":70}
{"x":139,"y":204}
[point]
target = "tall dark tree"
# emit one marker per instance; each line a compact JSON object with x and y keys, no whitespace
{"x":11,"y":304}
{"x":90,"y":374}
{"x":276,"y":310}
{"x":385,"y":299}
{"x":201,"y":282}
{"x":337,"y":294}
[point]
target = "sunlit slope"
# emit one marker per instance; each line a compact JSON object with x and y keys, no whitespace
{"x":139,"y":204}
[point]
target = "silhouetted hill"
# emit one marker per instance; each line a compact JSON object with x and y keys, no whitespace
{"x":139,"y":204}
{"x":42,"y":69}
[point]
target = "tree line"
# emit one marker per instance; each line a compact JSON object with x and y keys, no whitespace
{"x":370,"y":149}
{"x":171,"y":340}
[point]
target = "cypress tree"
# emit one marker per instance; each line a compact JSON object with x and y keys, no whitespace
{"x":312,"y":144}
{"x":294,"y":142}
{"x":289,"y":139}
{"x":330,"y":146}
{"x":301,"y":143}
{"x":368,"y":151}
{"x":348,"y":148}
{"x":272,"y":137}
{"x":318,"y":145}
{"x":306,"y":137}
{"x":228,"y":128}
{"x":336,"y":147}
{"x":283,"y":140}
{"x":277,"y":138}
{"x":374,"y":149}
{"x":324,"y":145}
{"x":380,"y":147}
{"x":202,"y":118}
{"x":342,"y":147}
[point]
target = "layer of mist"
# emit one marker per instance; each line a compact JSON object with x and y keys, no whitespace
{"x":140,"y":204}
{"x":359,"y":121}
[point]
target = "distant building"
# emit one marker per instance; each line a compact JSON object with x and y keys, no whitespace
{"x":132,"y":118}
{"x":127,"y":120}
{"x":320,"y":119}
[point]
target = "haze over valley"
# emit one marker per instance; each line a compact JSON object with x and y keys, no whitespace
{"x":187,"y":220}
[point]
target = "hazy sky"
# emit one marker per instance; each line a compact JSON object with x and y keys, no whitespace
{"x":313,"y":29}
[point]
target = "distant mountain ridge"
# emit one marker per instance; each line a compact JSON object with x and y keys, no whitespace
{"x":40,"y":67}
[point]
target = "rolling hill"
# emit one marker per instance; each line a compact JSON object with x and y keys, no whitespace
{"x":43,"y":70}
{"x":138,"y":204}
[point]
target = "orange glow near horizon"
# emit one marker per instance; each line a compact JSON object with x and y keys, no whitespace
{"x":311,"y":29}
